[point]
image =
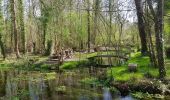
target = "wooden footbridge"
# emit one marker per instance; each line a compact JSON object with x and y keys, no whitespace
{"x":106,"y":56}
{"x":111,"y":56}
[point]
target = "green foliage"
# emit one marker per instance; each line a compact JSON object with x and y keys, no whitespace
{"x":69,"y":65}
{"x":74,"y":64}
{"x":91,"y":80}
{"x":167,"y":6}
{"x":50,"y":76}
{"x":167,"y":21}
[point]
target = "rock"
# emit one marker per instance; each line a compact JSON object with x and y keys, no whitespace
{"x":132,"y":67}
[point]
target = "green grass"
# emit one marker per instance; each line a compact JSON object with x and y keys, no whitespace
{"x":90,"y":80}
{"x":121,"y":73}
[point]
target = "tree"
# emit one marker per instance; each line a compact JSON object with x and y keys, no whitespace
{"x":88,"y":25}
{"x":96,"y":14}
{"x":159,"y":38}
{"x":141,"y":26}
{"x":22,"y":25}
{"x":159,"y":24}
{"x":14,"y":27}
{"x":1,"y":29}
{"x":45,"y":14}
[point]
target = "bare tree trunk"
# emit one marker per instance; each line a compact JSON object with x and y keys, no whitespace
{"x":150,"y":41}
{"x":88,"y":25}
{"x":152,"y":52}
{"x":22,"y":26}
{"x":96,"y":14}
{"x":2,"y":47}
{"x":110,"y":23}
{"x":159,"y":39}
{"x":1,"y":43}
{"x":14,"y":27}
{"x":141,"y":26}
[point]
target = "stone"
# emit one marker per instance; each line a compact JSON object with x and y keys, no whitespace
{"x":132,"y":67}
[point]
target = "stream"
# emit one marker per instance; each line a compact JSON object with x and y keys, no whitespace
{"x":66,"y":85}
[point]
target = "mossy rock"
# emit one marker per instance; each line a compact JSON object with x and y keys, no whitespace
{"x":132,"y":67}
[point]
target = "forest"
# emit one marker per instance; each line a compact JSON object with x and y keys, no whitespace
{"x":84,"y":49}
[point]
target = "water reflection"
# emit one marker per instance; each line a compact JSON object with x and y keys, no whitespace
{"x":107,"y":95}
{"x":127,"y":98}
{"x":23,"y":85}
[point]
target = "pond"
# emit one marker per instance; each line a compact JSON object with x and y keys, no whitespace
{"x":65,"y":85}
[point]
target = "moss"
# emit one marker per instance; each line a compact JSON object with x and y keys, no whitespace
{"x":69,"y":65}
{"x":90,"y":80}
{"x":50,"y":76}
{"x":74,"y":64}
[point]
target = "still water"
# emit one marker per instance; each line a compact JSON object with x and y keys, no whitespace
{"x":67,"y":85}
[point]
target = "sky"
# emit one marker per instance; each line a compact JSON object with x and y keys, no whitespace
{"x":125,"y":5}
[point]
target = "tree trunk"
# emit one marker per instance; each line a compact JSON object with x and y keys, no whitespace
{"x":150,"y":41}
{"x":96,"y":14}
{"x":22,"y":29}
{"x":88,"y":25}
{"x":14,"y":27}
{"x":110,"y":23}
{"x":158,"y":19}
{"x":2,"y":47}
{"x":159,"y":39}
{"x":1,"y":28}
{"x":141,"y":26}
